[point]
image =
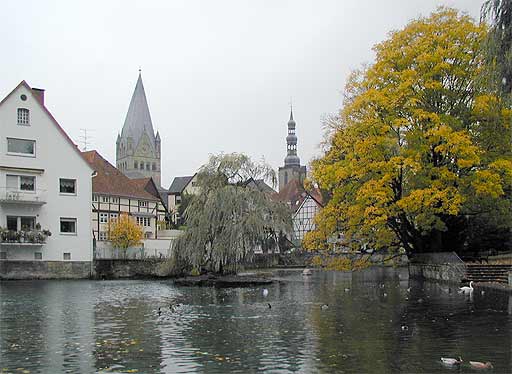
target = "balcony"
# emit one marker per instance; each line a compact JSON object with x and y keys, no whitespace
{"x":32,"y":238}
{"x":13,"y":196}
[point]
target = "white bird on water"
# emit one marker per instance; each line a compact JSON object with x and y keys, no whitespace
{"x":451,"y":361}
{"x":480,"y":365}
{"x":467,"y":289}
{"x":265,"y":292}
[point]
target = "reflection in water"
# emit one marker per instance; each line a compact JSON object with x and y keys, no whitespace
{"x":378,"y":321}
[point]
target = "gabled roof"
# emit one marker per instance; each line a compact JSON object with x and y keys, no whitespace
{"x":138,"y":119}
{"x":180,"y":183}
{"x":110,"y":181}
{"x":52,"y":119}
{"x":150,"y":186}
{"x":260,"y":185}
{"x":294,"y":194}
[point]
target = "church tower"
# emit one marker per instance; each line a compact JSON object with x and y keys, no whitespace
{"x":137,"y":147}
{"x":292,"y":170}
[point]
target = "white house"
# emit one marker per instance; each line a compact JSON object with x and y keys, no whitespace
{"x":45,"y":185}
{"x":180,"y":187}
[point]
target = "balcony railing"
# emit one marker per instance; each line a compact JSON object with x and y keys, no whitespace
{"x":13,"y":196}
{"x":32,"y":237}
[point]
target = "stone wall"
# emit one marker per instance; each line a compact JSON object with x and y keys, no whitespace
{"x":45,"y":269}
{"x":446,"y":267}
{"x":126,"y":268}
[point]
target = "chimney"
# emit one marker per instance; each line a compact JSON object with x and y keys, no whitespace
{"x":39,"y":94}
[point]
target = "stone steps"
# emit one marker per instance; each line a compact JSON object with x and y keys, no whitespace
{"x":488,"y":273}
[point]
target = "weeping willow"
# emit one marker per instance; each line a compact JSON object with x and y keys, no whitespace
{"x":499,"y":42}
{"x":230,"y":217}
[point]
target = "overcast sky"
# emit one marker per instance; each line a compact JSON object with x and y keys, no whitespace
{"x":218,"y":75}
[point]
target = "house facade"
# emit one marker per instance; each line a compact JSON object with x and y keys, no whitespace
{"x":45,"y":187}
{"x":114,"y":194}
{"x":304,"y":217}
{"x":304,"y":205}
{"x":180,"y":187}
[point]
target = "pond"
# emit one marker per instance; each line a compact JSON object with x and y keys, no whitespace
{"x":370,"y":323}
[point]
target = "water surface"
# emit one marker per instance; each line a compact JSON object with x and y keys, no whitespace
{"x":372,"y":324}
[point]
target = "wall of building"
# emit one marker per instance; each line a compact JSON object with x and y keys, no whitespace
{"x":144,"y":153}
{"x":55,"y":158}
{"x":113,"y":206}
{"x":174,"y":199}
{"x":303,"y":219}
{"x":156,"y":248}
{"x":289,"y":173}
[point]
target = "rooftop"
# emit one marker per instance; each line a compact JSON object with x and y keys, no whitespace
{"x":110,"y":181}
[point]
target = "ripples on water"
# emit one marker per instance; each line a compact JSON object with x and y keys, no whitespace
{"x":372,"y":325}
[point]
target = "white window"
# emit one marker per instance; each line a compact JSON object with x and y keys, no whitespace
{"x":144,"y":221}
{"x":143,"y":203}
{"x":21,"y":146}
{"x":66,"y":256}
{"x":102,"y":235}
{"x":67,"y":186}
{"x":23,"y":117}
{"x":21,"y":182}
{"x":115,"y":200}
{"x":103,"y":217}
{"x":105,"y":199}
{"x":38,"y":255}
{"x":113,"y":217}
{"x":95,"y":198}
{"x":68,"y":226}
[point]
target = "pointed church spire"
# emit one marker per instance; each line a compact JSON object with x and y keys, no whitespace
{"x":291,"y":111}
{"x":138,"y":119}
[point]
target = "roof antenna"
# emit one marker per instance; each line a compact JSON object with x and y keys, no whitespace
{"x":85,"y":138}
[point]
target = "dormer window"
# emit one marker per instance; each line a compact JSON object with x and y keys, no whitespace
{"x":23,"y":117}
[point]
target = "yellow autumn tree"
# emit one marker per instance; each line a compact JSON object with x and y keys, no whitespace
{"x":125,"y":232}
{"x":420,"y":150}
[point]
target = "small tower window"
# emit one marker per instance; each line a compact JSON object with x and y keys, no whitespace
{"x":23,"y":117}
{"x":147,"y":165}
{"x":153,"y":167}
{"x":135,"y":165}
{"x":141,"y":165}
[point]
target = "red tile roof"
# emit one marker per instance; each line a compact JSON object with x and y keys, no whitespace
{"x":294,"y":194}
{"x":110,"y":181}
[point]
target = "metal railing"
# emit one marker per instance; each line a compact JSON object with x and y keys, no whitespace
{"x":24,"y":237}
{"x":14,"y":196}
